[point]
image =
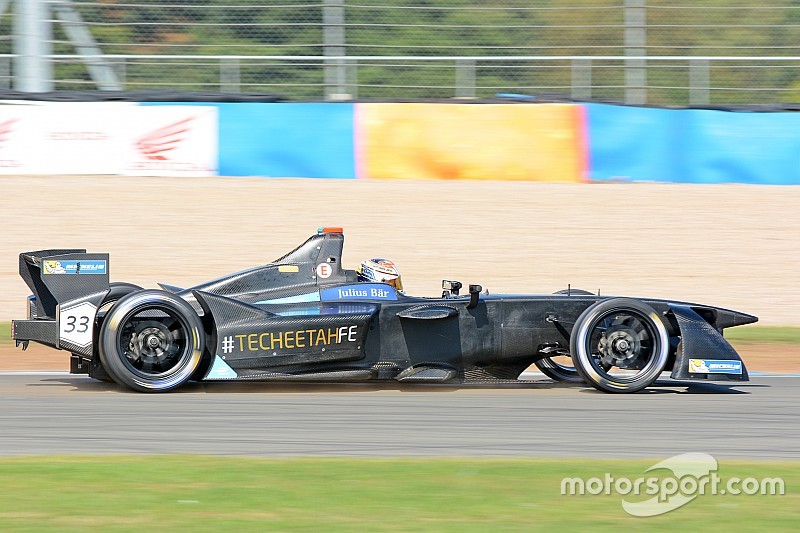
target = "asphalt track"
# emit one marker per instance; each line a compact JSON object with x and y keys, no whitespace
{"x":57,"y":413}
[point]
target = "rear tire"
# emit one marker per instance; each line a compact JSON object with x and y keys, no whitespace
{"x":151,"y":341}
{"x":117,"y":290}
{"x":619,"y":345}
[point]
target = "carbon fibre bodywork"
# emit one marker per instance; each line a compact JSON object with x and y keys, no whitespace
{"x":305,"y":317}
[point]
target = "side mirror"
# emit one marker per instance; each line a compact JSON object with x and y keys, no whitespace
{"x":450,"y":288}
{"x":474,"y":292}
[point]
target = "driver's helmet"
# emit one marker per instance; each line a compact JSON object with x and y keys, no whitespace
{"x":380,"y":271}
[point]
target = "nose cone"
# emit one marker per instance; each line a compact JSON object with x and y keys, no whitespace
{"x":728,"y":319}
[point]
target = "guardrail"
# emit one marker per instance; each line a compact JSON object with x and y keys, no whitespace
{"x":660,"y":80}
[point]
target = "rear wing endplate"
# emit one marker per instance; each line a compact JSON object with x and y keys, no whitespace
{"x":57,"y":276}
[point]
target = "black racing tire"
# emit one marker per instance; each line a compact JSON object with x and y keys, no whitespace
{"x":151,"y":341}
{"x":643,"y":339}
{"x":575,"y":292}
{"x":561,"y":371}
{"x":117,"y":289}
{"x":557,"y":371}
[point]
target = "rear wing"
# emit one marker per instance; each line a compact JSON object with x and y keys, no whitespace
{"x":68,"y":287}
{"x":58,"y":276}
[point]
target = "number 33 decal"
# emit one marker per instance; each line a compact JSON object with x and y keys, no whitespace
{"x":76,"y":324}
{"x":83,"y":324}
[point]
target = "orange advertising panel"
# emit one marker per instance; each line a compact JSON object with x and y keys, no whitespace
{"x":535,"y":142}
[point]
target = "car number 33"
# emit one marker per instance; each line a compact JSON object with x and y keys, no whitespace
{"x":76,"y":324}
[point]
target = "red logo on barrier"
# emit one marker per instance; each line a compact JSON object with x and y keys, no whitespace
{"x":158,"y":143}
{"x":5,"y":133}
{"x":6,"y":128}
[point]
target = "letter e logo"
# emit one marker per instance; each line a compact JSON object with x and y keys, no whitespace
{"x":324,"y":270}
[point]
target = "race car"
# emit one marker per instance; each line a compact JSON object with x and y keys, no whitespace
{"x":304,"y":317}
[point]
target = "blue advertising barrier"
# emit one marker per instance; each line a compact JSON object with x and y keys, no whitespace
{"x":692,"y":146}
{"x":285,"y":139}
{"x":316,"y":140}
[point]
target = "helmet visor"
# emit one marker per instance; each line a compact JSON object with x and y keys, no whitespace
{"x":397,"y":283}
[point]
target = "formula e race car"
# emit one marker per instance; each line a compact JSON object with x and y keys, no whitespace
{"x":304,"y":317}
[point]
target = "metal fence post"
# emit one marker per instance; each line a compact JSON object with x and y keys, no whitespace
{"x":465,"y":78}
{"x":5,"y":73}
{"x":352,"y":78}
{"x":582,"y":79}
{"x":333,"y":40}
{"x":635,"y":42}
{"x":32,"y":45}
{"x":699,"y":82}
{"x":121,"y":69}
{"x":79,"y":35}
{"x":229,"y":75}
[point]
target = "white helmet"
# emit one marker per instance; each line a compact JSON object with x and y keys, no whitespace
{"x":380,"y":271}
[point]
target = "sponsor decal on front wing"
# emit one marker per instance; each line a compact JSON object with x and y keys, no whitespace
{"x":714,"y":366}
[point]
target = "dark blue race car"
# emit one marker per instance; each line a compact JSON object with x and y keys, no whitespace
{"x":304,"y":317}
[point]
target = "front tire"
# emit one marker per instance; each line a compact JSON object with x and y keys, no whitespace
{"x":151,"y":341}
{"x":619,"y":345}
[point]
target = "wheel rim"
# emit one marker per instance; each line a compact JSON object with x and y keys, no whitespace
{"x":622,"y":345}
{"x":154,"y":342}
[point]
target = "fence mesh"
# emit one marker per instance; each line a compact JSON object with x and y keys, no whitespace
{"x":678,"y":52}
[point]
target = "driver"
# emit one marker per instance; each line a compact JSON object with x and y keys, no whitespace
{"x":380,"y":271}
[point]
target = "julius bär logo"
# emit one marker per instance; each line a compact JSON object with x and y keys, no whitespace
{"x":157,"y":144}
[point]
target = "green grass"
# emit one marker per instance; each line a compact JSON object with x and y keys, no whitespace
{"x":763,"y":334}
{"x":213,"y":493}
{"x":5,"y":333}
